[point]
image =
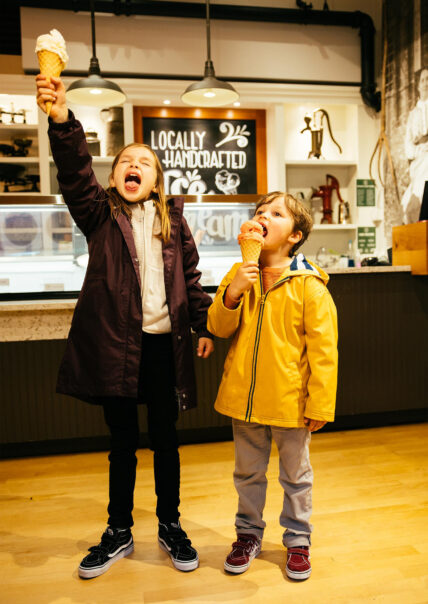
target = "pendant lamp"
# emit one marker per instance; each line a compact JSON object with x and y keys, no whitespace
{"x":209,"y":92}
{"x":95,"y":90}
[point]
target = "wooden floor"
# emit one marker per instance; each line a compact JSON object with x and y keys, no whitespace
{"x":370,"y":540}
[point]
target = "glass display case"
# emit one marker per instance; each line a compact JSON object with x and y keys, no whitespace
{"x":43,"y":253}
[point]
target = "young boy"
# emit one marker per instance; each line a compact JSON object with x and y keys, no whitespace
{"x":279,"y":377}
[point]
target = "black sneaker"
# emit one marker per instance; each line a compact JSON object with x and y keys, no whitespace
{"x":174,"y":541}
{"x":115,"y":544}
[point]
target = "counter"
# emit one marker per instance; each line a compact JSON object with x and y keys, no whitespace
{"x":369,"y":270}
{"x":383,"y":329}
{"x":27,"y":320}
{"x":34,"y":320}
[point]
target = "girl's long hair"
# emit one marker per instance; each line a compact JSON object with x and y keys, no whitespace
{"x":118,"y":205}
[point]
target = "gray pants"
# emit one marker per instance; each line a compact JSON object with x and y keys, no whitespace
{"x":252,"y":451}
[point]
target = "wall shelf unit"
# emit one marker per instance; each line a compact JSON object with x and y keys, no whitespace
{"x":303,"y":176}
{"x":19,"y":173}
{"x":315,"y":163}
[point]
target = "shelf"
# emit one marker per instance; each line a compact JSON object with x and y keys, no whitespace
{"x":313,"y":163}
{"x":103,"y":160}
{"x":18,"y":193}
{"x":19,"y":160}
{"x":334,"y":227}
{"x":95,"y":160}
{"x":18,"y":129}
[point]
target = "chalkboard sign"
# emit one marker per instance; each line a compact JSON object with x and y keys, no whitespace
{"x":204,"y":152}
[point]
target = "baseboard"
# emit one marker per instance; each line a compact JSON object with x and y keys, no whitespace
{"x":201,"y":435}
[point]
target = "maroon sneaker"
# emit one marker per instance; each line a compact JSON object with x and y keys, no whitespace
{"x":298,"y":563}
{"x":243,"y":551}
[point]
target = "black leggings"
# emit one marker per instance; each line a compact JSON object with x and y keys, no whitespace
{"x":157,"y":391}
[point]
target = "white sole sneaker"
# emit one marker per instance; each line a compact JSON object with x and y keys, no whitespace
{"x":179,"y":564}
{"x":291,"y":574}
{"x":90,"y":573}
{"x":237,"y":570}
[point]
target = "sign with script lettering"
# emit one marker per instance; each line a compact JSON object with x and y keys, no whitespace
{"x":215,"y":226}
{"x":202,"y":152}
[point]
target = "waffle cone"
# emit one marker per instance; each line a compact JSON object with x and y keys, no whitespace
{"x":50,"y":65}
{"x":250,"y":250}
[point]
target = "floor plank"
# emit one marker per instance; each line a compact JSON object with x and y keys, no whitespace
{"x":370,"y":540}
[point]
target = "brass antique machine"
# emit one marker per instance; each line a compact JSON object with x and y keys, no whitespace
{"x":314,"y":123}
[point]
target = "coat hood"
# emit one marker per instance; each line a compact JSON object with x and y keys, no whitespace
{"x":301,"y":266}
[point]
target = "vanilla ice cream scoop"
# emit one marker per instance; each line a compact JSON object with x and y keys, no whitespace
{"x":52,"y":55}
{"x":53,"y":42}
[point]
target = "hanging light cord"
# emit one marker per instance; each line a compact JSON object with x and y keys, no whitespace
{"x":94,"y":54}
{"x":94,"y":66}
{"x":208,"y":30}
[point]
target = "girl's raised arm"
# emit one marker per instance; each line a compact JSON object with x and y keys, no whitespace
{"x":84,"y":196}
{"x":52,"y":90}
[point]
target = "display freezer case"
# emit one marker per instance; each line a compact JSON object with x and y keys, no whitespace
{"x":44,"y":254}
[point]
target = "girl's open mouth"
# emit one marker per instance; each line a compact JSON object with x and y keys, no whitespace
{"x":132,"y":181}
{"x":265,"y":232}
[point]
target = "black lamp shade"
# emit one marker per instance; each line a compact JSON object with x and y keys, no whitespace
{"x":209,"y":92}
{"x":95,"y":91}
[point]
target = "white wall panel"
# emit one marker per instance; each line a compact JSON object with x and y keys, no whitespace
{"x":172,"y":46}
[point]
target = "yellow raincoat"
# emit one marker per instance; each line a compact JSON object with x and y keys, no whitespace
{"x":282,"y":363}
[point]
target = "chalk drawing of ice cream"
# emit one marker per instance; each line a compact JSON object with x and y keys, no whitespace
{"x":227,"y":182}
{"x":177,"y":183}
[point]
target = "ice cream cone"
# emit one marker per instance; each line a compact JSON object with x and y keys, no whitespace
{"x":50,"y":65}
{"x":250,"y":250}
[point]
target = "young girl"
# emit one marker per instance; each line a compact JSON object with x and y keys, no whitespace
{"x":130,"y":339}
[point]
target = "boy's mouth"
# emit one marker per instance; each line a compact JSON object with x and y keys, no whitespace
{"x":132,"y":181}
{"x":265,"y":231}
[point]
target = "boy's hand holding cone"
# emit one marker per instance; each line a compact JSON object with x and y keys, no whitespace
{"x":251,"y":241}
{"x":53,"y":57}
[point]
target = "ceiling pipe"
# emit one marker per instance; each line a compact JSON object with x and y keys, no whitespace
{"x":188,"y":10}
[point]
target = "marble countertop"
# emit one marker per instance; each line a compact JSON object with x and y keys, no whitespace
{"x":369,"y":269}
{"x":25,"y":320}
{"x":37,"y":305}
{"x":69,"y":304}
{"x":50,"y":319}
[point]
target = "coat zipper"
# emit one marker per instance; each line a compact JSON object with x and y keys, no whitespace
{"x":256,"y":346}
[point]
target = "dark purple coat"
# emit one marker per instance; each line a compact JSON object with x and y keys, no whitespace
{"x":103,"y":351}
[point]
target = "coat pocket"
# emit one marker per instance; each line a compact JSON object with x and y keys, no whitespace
{"x":295,"y":375}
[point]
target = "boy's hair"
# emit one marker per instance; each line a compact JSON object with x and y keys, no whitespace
{"x":302,"y":219}
{"x":118,"y":205}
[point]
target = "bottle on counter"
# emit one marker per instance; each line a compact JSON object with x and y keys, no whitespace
{"x":350,"y":254}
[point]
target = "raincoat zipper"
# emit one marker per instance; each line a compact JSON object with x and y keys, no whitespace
{"x":256,"y":345}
